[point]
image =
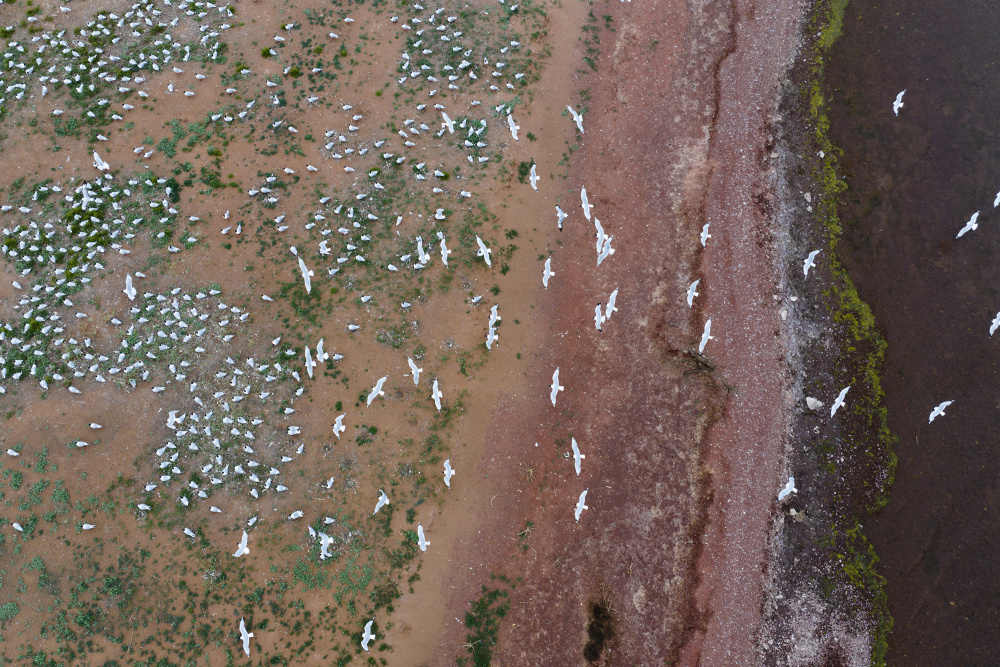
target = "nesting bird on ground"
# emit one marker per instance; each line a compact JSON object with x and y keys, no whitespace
{"x":995,"y":324}
{"x":939,"y":411}
{"x":598,"y":317}
{"x":585,"y":203}
{"x":421,"y":542}
{"x":839,"y":402}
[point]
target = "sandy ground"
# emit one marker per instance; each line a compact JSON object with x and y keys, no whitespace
{"x":683,"y":459}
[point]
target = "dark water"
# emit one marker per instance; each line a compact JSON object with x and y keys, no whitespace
{"x":914,"y":182}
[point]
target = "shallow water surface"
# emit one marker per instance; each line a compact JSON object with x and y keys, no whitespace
{"x":915,"y":180}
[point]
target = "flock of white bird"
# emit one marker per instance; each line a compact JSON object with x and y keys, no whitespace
{"x":188,"y":327}
{"x":840,"y":399}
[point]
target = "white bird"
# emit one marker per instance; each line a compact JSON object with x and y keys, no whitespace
{"x":99,"y":163}
{"x":969,"y":226}
{"x":561,"y":215}
{"x":606,"y":250}
{"x":129,"y":289}
{"x":898,"y":103}
{"x":513,"y":127}
{"x":306,"y":273}
{"x":577,"y":456}
{"x":839,"y":402}
{"x":416,"y":371}
{"x":706,"y":336}
{"x":598,"y":317}
{"x":577,"y":118}
{"x":610,"y":308}
{"x":580,"y":504}
{"x":585,"y":203}
{"x":939,"y":411}
{"x":16,"y":526}
{"x":705,"y":236}
{"x":996,"y":202}
{"x":556,"y":387}
{"x":449,"y":472}
{"x":547,"y":273}
{"x":309,"y":362}
{"x":421,"y":542}
{"x":810,"y":262}
{"x":444,"y":251}
{"x":533,"y":177}
{"x":338,"y":426}
{"x":788,"y":490}
{"x":297,"y":514}
{"x":483,"y":252}
{"x":245,"y":636}
{"x":242,"y":548}
{"x":691,"y":294}
{"x":377,"y":391}
{"x":367,"y":636}
{"x":11,"y":452}
{"x":447,"y":123}
{"x":995,"y":324}
{"x":383,"y":500}
{"x":436,"y":395}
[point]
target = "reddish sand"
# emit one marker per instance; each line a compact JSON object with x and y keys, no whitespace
{"x":677,"y":128}
{"x":681,"y":473}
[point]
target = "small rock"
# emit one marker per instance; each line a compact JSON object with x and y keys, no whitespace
{"x":813,"y":403}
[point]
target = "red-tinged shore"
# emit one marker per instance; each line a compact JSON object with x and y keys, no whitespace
{"x":683,"y":459}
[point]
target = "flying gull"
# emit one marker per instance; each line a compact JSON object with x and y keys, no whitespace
{"x":939,"y":411}
{"x":556,"y":387}
{"x":377,"y":391}
{"x":580,"y":504}
{"x":839,"y":402}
